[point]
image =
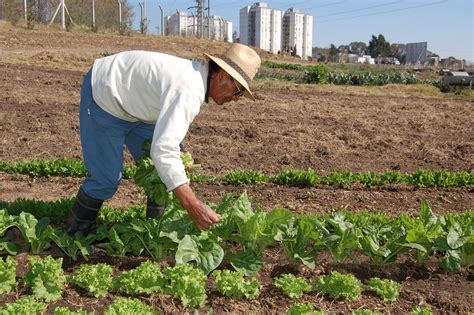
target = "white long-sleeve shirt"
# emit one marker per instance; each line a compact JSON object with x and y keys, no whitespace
{"x":154,"y":88}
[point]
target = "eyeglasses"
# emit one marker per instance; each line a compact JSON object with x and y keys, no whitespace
{"x":239,"y":91}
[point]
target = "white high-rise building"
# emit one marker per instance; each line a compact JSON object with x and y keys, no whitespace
{"x":297,"y":33}
{"x":260,"y":27}
{"x":214,"y":27}
{"x":273,"y":30}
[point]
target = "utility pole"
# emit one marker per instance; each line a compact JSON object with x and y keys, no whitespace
{"x":162,"y":22}
{"x":120,"y":14}
{"x":64,"y":10}
{"x":143,"y":19}
{"x":25,"y":5}
{"x":93,"y":15}
{"x":200,"y":17}
{"x":63,"y":20}
{"x":209,"y":19}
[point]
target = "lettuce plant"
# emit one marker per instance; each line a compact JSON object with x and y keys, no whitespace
{"x":187,"y":283}
{"x":66,"y":311}
{"x":46,"y":278}
{"x":387,"y":289}
{"x":338,"y":285}
{"x":95,"y":279}
{"x":292,"y":286}
{"x":129,"y":306}
{"x":7,"y":275}
{"x":303,"y":309}
{"x":233,"y":284}
{"x":24,"y":305}
{"x":146,"y":278}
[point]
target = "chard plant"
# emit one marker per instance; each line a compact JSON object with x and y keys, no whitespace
{"x":337,"y":285}
{"x":8,"y":281}
{"x":95,"y":279}
{"x":187,"y":283}
{"x":234,"y":285}
{"x":24,"y":305}
{"x":292,"y":286}
{"x":46,"y":278}
{"x":129,"y":306}
{"x":147,"y":278}
{"x":387,"y":289}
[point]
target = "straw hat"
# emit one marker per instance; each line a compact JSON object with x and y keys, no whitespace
{"x":241,"y":63}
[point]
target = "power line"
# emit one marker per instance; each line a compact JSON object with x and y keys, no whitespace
{"x":384,"y":12}
{"x":356,"y":10}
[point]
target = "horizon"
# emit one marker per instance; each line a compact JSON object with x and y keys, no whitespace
{"x":447,"y":26}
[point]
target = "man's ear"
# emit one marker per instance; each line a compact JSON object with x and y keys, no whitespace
{"x":221,"y":74}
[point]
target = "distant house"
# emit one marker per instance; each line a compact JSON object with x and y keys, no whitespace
{"x":353,"y":58}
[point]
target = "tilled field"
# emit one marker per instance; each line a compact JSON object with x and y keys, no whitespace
{"x":289,"y":126}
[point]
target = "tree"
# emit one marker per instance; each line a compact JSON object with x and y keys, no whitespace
{"x":379,"y":47}
{"x":398,"y":51}
{"x":343,"y":48}
{"x":333,"y":54}
{"x":358,"y":48}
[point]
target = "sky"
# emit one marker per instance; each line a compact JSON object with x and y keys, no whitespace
{"x":447,"y":25}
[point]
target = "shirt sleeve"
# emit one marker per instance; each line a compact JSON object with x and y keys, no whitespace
{"x":171,"y":127}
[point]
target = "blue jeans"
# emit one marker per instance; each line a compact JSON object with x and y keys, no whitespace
{"x":103,"y":137}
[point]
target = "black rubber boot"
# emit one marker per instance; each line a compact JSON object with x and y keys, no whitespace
{"x":153,"y":210}
{"x":83,"y":213}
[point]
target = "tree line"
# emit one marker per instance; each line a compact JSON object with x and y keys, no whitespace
{"x":79,"y":12}
{"x":378,"y":47}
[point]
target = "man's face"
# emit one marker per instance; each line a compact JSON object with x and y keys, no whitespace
{"x":224,"y":88}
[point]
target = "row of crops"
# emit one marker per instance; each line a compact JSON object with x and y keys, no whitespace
{"x":299,"y":178}
{"x":448,"y":238}
{"x":319,"y":74}
{"x":239,"y":241}
{"x":46,"y":280}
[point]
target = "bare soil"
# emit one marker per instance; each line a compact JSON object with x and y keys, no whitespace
{"x":289,"y":126}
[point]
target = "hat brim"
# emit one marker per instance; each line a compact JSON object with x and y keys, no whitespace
{"x":234,"y":74}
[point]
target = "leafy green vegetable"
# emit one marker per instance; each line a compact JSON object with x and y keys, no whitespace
{"x":46,"y":278}
{"x":366,"y":312}
{"x":233,"y":284}
{"x":303,"y":309}
{"x":66,"y":311}
{"x":387,"y":289}
{"x":292,"y":286}
{"x":206,"y":252}
{"x":122,"y":306}
{"x":7,"y":275}
{"x":146,"y":278}
{"x":187,"y":283}
{"x":95,"y":279}
{"x":337,"y":285}
{"x":24,"y":306}
{"x":421,"y":311}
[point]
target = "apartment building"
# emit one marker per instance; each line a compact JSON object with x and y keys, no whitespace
{"x":214,"y":27}
{"x":275,"y":31}
{"x":260,"y":27}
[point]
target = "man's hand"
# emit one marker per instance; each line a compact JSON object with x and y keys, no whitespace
{"x":202,"y":215}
